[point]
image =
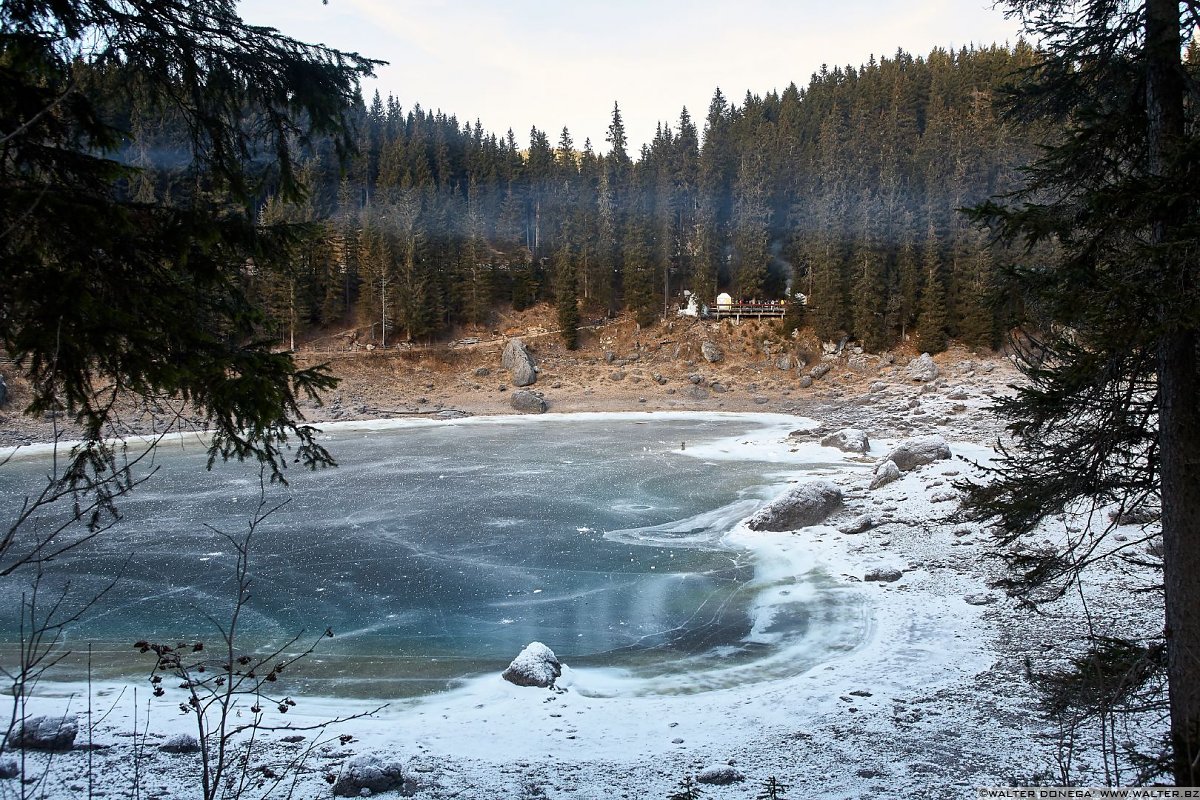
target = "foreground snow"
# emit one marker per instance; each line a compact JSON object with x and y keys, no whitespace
{"x":928,"y":696}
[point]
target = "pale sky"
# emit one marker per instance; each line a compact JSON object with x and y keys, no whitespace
{"x":550,"y":64}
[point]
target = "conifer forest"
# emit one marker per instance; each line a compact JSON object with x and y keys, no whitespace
{"x":847,"y":191}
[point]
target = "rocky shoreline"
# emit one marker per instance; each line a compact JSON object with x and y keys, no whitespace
{"x":935,"y":699}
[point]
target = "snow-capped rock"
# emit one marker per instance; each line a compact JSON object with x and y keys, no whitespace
{"x":365,"y":775}
{"x":45,"y":733}
{"x":918,"y":452}
{"x":536,"y":665}
{"x":848,"y":440}
{"x":885,"y":473}
{"x":883,"y":575}
{"x":803,"y":505}
{"x":180,"y":743}
{"x":720,"y":775}
{"x":858,"y":525}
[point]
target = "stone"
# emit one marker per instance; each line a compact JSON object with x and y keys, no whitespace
{"x":883,"y":575}
{"x":805,"y":504}
{"x":820,"y":371}
{"x":858,"y":525}
{"x":982,"y":599}
{"x":180,"y":743}
{"x":368,"y":774}
{"x":885,"y":473}
{"x":45,"y":733}
{"x":694,"y":393}
{"x":3,"y":391}
{"x":848,"y":440}
{"x":483,"y":372}
{"x":712,"y":354}
{"x":806,"y":382}
{"x":918,"y":452}
{"x":536,"y":665}
{"x":878,"y":386}
{"x":720,"y":775}
{"x":922,"y":369}
{"x":451,"y":413}
{"x":9,"y":768}
{"x":519,"y":363}
{"x":957,"y":393}
{"x":719,"y":388}
{"x":1138,"y":515}
{"x":783,"y":363}
{"x":609,"y":356}
{"x":528,"y":402}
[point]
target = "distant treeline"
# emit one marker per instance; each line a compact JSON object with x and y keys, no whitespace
{"x":847,"y":191}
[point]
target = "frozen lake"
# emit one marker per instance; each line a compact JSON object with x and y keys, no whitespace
{"x":437,"y":551}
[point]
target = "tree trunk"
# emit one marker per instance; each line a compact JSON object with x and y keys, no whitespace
{"x":1179,"y":444}
{"x":1179,"y":396}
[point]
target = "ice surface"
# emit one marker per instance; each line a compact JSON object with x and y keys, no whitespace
{"x":437,"y":550}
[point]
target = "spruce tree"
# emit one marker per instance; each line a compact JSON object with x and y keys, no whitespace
{"x":751,"y":228}
{"x":869,"y":293}
{"x":931,"y":319}
{"x":566,"y":297}
{"x":1111,"y":412}
{"x":77,"y":250}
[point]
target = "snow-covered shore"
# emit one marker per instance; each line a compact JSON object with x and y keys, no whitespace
{"x":926,"y":694}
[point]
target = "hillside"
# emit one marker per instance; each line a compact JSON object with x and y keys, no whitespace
{"x":618,"y":367}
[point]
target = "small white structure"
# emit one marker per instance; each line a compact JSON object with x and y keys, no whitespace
{"x":724,"y":301}
{"x":692,"y":309}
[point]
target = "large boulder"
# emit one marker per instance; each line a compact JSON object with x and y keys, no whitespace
{"x":922,"y":369}
{"x":365,"y":775}
{"x":712,"y":354}
{"x":918,"y":452}
{"x":528,"y":402}
{"x":803,"y":505}
{"x":820,"y":371}
{"x":848,"y":440}
{"x":520,"y":364}
{"x":536,"y":665}
{"x":45,"y":733}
